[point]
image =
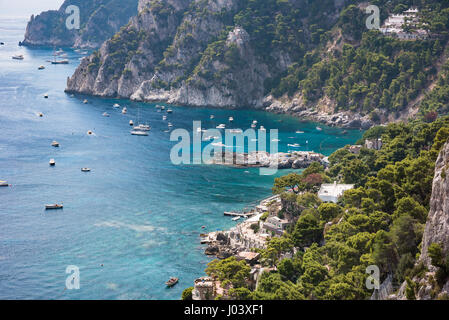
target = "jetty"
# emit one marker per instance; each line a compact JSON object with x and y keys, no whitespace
{"x":262,"y":159}
{"x":239,"y":214}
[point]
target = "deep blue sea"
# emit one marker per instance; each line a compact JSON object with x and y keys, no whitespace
{"x":135,"y":219}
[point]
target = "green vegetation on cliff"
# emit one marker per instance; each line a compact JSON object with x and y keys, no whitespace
{"x":379,"y":222}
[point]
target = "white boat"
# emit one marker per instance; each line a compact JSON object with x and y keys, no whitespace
{"x":218,"y":144}
{"x":18,"y":57}
{"x":169,"y":111}
{"x":319,"y":129}
{"x":116,"y":105}
{"x":262,"y":128}
{"x":85,"y":169}
{"x":53,"y":206}
{"x":236,"y":131}
{"x":89,"y":133}
{"x":253,"y":125}
{"x":4,"y":184}
{"x":46,"y":96}
{"x":55,"y":144}
{"x":221,"y":126}
{"x":212,"y":116}
{"x":170,"y":124}
{"x":294,"y":145}
{"x":254,"y":121}
{"x":40,"y":114}
{"x":65,"y":61}
{"x":131,"y":123}
{"x":164,"y":118}
{"x":139,"y":133}
{"x":236,"y":218}
{"x":124,"y":110}
{"x":275,"y":140}
{"x":41,"y":68}
{"x":142,"y":127}
{"x":231,"y":119}
{"x":162,"y":108}
{"x":105,"y":114}
{"x":52,"y":162}
{"x":85,"y":101}
{"x":299,"y":132}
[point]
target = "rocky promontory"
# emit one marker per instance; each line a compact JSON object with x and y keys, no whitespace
{"x":99,"y":20}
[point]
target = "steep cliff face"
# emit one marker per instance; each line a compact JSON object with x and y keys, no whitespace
{"x":99,"y":20}
{"x":313,"y":59}
{"x":432,"y":281}
{"x":435,"y":284}
{"x":194,"y":52}
{"x":437,"y":226}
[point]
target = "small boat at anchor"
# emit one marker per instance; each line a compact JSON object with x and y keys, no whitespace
{"x":170,"y":125}
{"x":18,"y":57}
{"x":294,"y":145}
{"x":319,"y":128}
{"x":53,"y":206}
{"x":64,"y":61}
{"x":231,"y":119}
{"x":4,"y":184}
{"x":52,"y":162}
{"x":139,"y":133}
{"x":221,"y":126}
{"x":46,"y":96}
{"x":55,"y":144}
{"x":85,"y":101}
{"x":40,"y":114}
{"x":170,"y":283}
{"x":131,"y":123}
{"x":142,"y":127}
{"x":85,"y":169}
{"x":124,"y":110}
{"x":105,"y":114}
{"x":169,"y":111}
{"x":41,"y":68}
{"x":116,"y":105}
{"x":236,"y":218}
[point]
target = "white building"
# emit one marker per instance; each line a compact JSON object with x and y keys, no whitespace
{"x":276,"y":225}
{"x":331,"y":192}
{"x":374,"y":144}
{"x":393,"y":26}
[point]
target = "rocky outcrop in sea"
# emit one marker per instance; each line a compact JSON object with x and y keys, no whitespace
{"x":99,"y":20}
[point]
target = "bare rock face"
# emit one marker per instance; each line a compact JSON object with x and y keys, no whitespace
{"x":437,"y":226}
{"x":99,"y":20}
{"x":436,"y":231}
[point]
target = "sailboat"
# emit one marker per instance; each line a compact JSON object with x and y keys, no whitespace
{"x":58,"y":53}
{"x":140,"y":126}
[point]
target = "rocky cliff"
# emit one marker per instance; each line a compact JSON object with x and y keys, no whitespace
{"x":197,"y":53}
{"x":99,"y":20}
{"x":307,"y":58}
{"x":436,"y":231}
{"x":432,"y":282}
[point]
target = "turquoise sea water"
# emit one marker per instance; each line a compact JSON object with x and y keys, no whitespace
{"x":133,"y":221}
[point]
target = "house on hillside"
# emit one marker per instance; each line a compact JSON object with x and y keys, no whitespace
{"x":276,"y":225}
{"x":332,"y":192}
{"x":374,"y":144}
{"x":395,"y":26}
